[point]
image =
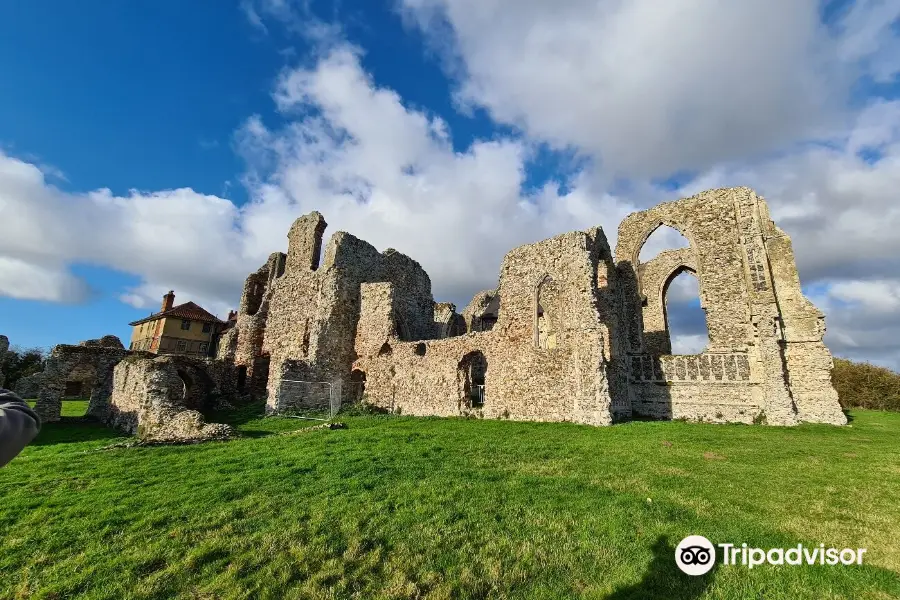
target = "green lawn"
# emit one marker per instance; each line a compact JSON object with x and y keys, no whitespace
{"x":400,"y":507}
{"x":70,"y":408}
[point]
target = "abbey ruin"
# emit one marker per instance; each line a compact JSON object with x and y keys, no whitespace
{"x":573,"y":332}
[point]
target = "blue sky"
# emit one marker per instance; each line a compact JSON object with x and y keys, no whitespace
{"x":170,"y":145}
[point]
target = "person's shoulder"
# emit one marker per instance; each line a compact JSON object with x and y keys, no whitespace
{"x":9,"y":396}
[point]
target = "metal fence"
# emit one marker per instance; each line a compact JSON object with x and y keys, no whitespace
{"x":318,"y":400}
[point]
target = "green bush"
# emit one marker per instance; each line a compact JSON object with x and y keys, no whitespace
{"x":864,"y":385}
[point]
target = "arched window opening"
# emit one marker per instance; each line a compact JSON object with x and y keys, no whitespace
{"x":472,"y":371}
{"x":663,"y":238}
{"x":547,"y":314}
{"x":684,"y":315}
{"x":385,"y":350}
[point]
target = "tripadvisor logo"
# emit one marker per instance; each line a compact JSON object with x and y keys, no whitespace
{"x":696,"y":555}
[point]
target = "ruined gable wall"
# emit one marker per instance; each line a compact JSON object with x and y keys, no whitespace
{"x":688,"y":387}
{"x":313,"y":313}
{"x":522,"y":381}
{"x":742,"y":374}
{"x":808,"y":361}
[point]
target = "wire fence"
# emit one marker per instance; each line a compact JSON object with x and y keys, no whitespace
{"x":317,"y":400}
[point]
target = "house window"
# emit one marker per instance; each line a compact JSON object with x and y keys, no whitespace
{"x":207,"y":327}
{"x":182,"y":346}
{"x":186,"y":325}
{"x":203,"y":347}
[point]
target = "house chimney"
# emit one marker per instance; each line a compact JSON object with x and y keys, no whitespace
{"x":168,"y":300}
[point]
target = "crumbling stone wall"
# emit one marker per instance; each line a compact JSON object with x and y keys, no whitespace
{"x":92,"y":365}
{"x":314,"y":309}
{"x":160,"y":399}
{"x":482,"y":311}
{"x":107,"y":341}
{"x":750,"y":291}
{"x":571,"y":333}
{"x":447,"y":322}
{"x":29,"y":386}
{"x":522,"y":380}
{"x":243,"y":344}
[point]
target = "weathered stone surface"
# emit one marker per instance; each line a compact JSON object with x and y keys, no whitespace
{"x":313,"y":312}
{"x":765,"y":355}
{"x":571,"y":333}
{"x":87,"y":368}
{"x":160,"y":399}
{"x":107,"y":341}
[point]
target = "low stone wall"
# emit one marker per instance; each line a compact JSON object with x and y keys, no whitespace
{"x":156,"y":398}
{"x":91,"y":366}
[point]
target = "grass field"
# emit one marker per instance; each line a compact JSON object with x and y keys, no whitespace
{"x":399,"y":507}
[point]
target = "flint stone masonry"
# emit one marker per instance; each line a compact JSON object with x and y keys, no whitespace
{"x":571,"y":333}
{"x":90,"y":367}
{"x":160,"y":398}
{"x":107,"y":341}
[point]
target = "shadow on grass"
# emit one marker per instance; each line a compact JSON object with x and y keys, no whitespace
{"x":74,"y":429}
{"x":847,"y":414}
{"x":238,"y":415}
{"x":664,"y":580}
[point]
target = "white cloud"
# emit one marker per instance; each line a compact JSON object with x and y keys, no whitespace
{"x":875,"y":296}
{"x":29,"y":281}
{"x":390,"y":175}
{"x":171,"y":238}
{"x":653,"y":87}
{"x":351,"y":150}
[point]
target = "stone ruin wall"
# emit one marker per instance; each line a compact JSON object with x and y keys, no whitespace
{"x":243,"y":344}
{"x":569,"y":334}
{"x":765,"y":356}
{"x":89,"y":363}
{"x":522,"y":380}
{"x":161,"y":399}
{"x":314,"y":309}
{"x":158,"y":397}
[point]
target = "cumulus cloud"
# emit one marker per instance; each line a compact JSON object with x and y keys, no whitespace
{"x":654,"y":87}
{"x":172,"y":238}
{"x":372,"y":166}
{"x":390,"y":175}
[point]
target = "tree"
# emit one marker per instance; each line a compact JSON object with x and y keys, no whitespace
{"x":21,"y":362}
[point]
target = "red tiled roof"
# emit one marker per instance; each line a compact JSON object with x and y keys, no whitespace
{"x":188,"y":310}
